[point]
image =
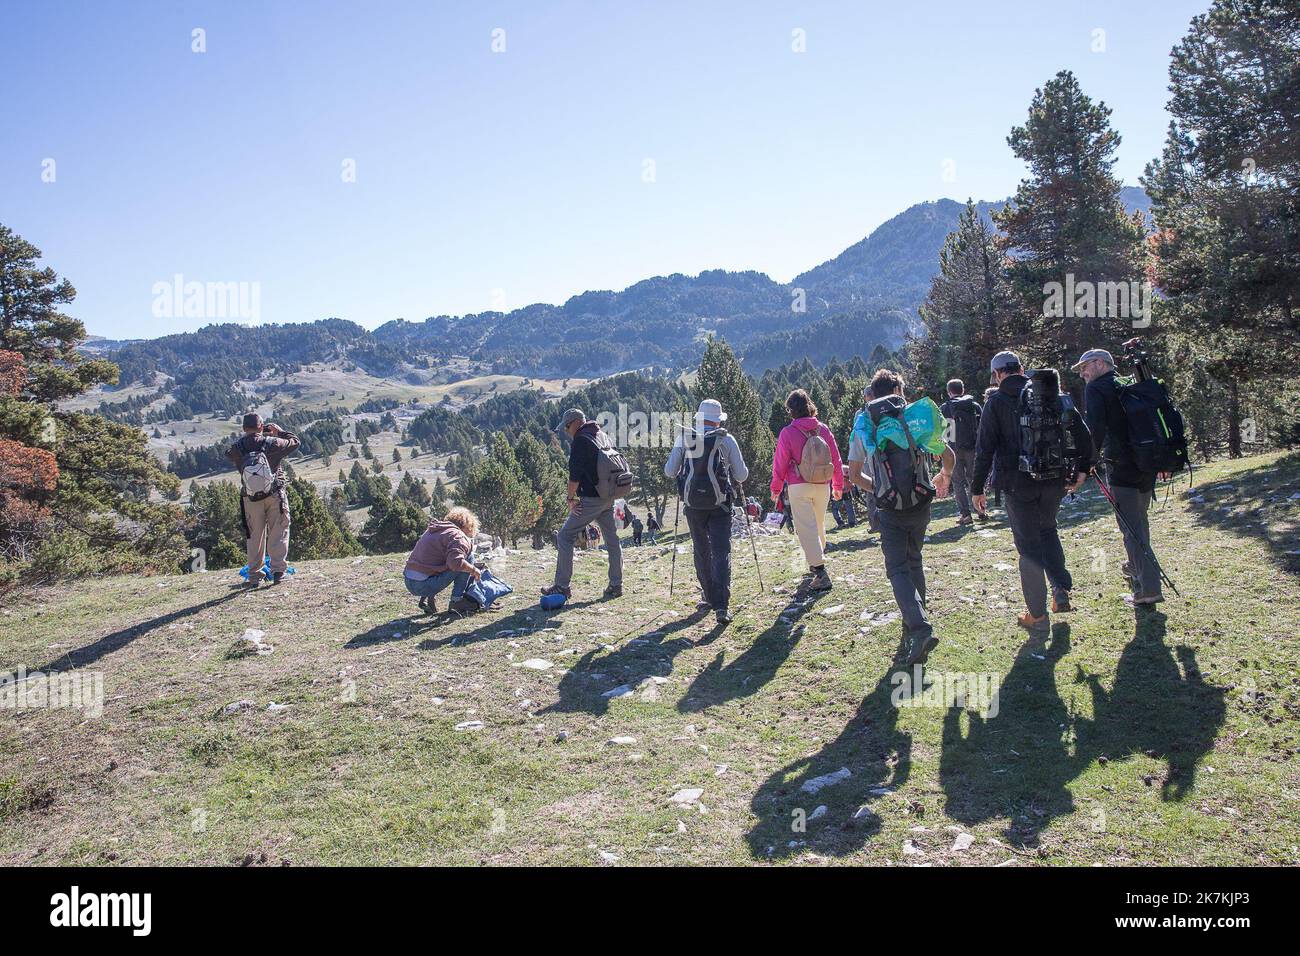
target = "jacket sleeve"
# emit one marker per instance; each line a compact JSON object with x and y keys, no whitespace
{"x":739,"y":470}
{"x":837,"y":477}
{"x":674,"y":462}
{"x":778,"y":466}
{"x":233,"y":456}
{"x":986,"y":446}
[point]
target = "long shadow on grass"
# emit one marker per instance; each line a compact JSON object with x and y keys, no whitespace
{"x":119,"y":639}
{"x":878,"y":758}
{"x":1014,"y":762}
{"x":1242,"y":503}
{"x":597,"y":672}
{"x":757,"y":665}
{"x":1160,"y":706}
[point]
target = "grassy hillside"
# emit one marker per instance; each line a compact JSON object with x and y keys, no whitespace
{"x":1158,"y":738}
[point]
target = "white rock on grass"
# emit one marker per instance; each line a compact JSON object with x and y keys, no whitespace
{"x":535,"y":664}
{"x":826,"y":780}
{"x":622,"y":741}
{"x":687,"y":796}
{"x":470,"y":725}
{"x":607,"y":857}
{"x":963,"y":842}
{"x":237,"y":707}
{"x":833,"y":610}
{"x":622,"y":690}
{"x":818,"y":813}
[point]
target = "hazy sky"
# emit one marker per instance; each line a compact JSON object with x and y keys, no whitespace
{"x":495,"y":179}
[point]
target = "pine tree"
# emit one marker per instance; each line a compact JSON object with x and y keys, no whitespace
{"x":547,"y":476}
{"x":1067,"y":220}
{"x":494,"y":489}
{"x":721,"y":377}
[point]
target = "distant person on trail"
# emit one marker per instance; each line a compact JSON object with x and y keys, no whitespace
{"x":964,"y":413}
{"x":710,"y":472}
{"x":1042,"y":449}
{"x":1133,"y":488}
{"x":842,"y":510}
{"x":637,"y":528}
{"x":889,"y":458}
{"x":263,"y":505}
{"x":651,"y":526}
{"x":783,"y":506}
{"x":807,"y":463}
{"x":598,"y":476}
{"x":442,"y":557}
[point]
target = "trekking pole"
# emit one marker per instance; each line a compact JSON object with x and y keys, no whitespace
{"x":749,"y":533}
{"x":1128,"y":530}
{"x":672,"y":575}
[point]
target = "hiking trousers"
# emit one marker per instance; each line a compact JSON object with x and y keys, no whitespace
{"x":1133,"y":504}
{"x":1032,"y":507}
{"x":902,"y":535}
{"x":808,"y":512}
{"x":601,"y":511}
{"x":961,"y":475}
{"x":268,"y":534}
{"x":711,"y":539}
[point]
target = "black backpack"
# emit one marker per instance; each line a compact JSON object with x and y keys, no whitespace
{"x":900,"y":477}
{"x":1155,"y":426}
{"x":1047,"y":448}
{"x":966,"y":421}
{"x":704,"y":481}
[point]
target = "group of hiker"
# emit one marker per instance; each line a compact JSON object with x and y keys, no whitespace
{"x":1027,"y":442}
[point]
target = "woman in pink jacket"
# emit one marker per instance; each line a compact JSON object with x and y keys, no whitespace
{"x":808,"y":499}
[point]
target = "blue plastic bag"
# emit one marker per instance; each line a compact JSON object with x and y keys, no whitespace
{"x":550,"y":602}
{"x":487,"y":589}
{"x":266,"y":570}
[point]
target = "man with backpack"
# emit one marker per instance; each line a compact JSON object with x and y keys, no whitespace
{"x":889,"y":459}
{"x":637,"y":528}
{"x":598,"y":476}
{"x":964,"y":413}
{"x":1115,"y":411}
{"x":1042,"y":450}
{"x":710,"y":471}
{"x":263,"y":506}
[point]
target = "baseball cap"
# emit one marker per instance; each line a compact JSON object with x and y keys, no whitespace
{"x":1091,"y":354}
{"x":572,"y":415}
{"x":1004,"y":360}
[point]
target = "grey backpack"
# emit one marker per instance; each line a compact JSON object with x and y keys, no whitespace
{"x":613,"y":477}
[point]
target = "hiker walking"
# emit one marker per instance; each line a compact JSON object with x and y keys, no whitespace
{"x":1132,"y":486}
{"x":889,"y":459}
{"x":441,"y":557}
{"x":842,"y":509}
{"x":710,"y":471}
{"x":1042,"y":449}
{"x":263,"y":505}
{"x":807,"y":463}
{"x":964,"y":413}
{"x":598,"y":476}
{"x":637,"y":528}
{"x":651,"y":526}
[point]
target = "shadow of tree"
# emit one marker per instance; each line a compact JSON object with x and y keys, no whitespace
{"x":877,"y":757}
{"x":1256,"y":503}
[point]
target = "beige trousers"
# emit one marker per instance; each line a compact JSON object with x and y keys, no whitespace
{"x":808,"y":508}
{"x":268,"y":533}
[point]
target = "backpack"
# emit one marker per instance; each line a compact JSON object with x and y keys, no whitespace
{"x":1047,"y":448}
{"x":900,"y":477}
{"x":255,"y":471}
{"x":966,"y":421}
{"x":487,"y":589}
{"x":815,"y":465}
{"x":705,"y":483}
{"x":613,"y":477}
{"x":1155,"y":426}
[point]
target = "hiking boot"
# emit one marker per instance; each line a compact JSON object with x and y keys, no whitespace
{"x":463,"y":605}
{"x":613,"y":591}
{"x":922,"y":645}
{"x":821,"y":581}
{"x":965,"y":519}
{"x":277,"y":577}
{"x":556,"y":589}
{"x":1143,"y":600}
{"x":428,"y":605}
{"x":722,"y":616}
{"x":702,"y":606}
{"x":1034,"y":625}
{"x":1061,"y":602}
{"x":982,"y":516}
{"x":251,"y":584}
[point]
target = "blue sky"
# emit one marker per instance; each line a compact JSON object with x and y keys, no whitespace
{"x":499,"y":179}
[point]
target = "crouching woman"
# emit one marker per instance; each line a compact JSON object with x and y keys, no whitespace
{"x":442,"y":557}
